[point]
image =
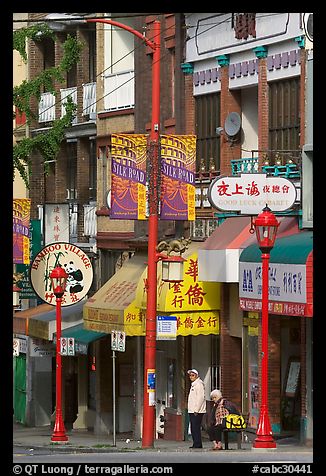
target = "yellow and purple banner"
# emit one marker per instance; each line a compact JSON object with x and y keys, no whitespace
{"x":178,"y":165}
{"x":21,"y":230}
{"x":128,"y":188}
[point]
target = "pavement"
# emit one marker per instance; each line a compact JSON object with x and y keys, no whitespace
{"x":80,"y":441}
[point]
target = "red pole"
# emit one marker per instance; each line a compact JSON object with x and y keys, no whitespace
{"x":150,"y":339}
{"x":59,"y":432}
{"x":264,"y":433}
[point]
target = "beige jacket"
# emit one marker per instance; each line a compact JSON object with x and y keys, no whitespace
{"x":196,"y":397}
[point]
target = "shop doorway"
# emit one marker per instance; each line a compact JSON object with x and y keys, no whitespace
{"x":291,"y":374}
{"x":20,"y":388}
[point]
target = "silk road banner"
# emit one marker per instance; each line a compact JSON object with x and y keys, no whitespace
{"x":178,"y":165}
{"x":21,"y":230}
{"x":128,"y":188}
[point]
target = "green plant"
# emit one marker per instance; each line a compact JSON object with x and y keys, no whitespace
{"x":47,"y":143}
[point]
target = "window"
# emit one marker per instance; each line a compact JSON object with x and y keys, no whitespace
{"x":72,"y":170}
{"x":92,"y":170}
{"x":284,"y":114}
{"x":72,"y":73}
{"x":207,"y":120}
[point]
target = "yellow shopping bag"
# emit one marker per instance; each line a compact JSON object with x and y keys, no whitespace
{"x":235,"y":421}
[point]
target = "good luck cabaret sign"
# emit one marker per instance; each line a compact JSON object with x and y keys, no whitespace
{"x":73,"y":260}
{"x":250,"y":193}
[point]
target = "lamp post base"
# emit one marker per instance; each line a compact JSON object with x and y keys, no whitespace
{"x":264,"y":442}
{"x":59,"y":432}
{"x":59,"y":437}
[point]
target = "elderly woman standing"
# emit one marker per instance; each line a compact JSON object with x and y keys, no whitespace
{"x":220,"y":410}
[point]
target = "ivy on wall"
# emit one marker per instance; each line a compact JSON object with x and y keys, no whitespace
{"x":46,"y":143}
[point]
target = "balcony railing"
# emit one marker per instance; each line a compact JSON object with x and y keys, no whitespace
{"x":119,"y":90}
{"x":46,"y":108}
{"x":90,"y":220}
{"x":89,"y":99}
{"x":247,"y":165}
{"x":72,"y":92}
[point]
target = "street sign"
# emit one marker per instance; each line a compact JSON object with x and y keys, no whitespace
{"x":118,"y":340}
{"x":71,"y":346}
{"x":166,"y":328}
{"x":16,"y":347}
{"x":250,"y":193}
{"x":76,"y":264}
{"x":63,"y":346}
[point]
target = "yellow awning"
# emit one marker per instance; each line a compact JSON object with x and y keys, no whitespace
{"x":112,"y":307}
{"x":194,"y":303}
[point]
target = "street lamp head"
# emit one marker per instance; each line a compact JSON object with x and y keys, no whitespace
{"x":266,"y":227}
{"x":172,"y":269}
{"x":58,"y":278}
{"x":16,"y":290}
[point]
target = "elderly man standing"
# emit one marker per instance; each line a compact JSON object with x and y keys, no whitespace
{"x":196,"y":407}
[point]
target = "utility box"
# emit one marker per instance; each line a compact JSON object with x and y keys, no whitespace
{"x":173,"y":425}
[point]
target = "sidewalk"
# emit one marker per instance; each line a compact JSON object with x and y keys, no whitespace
{"x":85,"y":441}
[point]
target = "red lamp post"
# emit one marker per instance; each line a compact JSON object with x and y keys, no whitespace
{"x":266,"y":228}
{"x":150,"y":339}
{"x":58,"y":279}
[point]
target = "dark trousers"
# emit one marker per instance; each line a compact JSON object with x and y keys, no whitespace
{"x":195,"y":428}
{"x":215,"y":432}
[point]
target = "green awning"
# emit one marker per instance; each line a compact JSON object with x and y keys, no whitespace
{"x":293,"y":249}
{"x":83,"y":337}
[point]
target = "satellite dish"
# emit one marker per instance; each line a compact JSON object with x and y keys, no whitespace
{"x":308,"y":25}
{"x":232,"y":124}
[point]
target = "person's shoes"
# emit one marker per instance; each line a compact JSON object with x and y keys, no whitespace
{"x":195,"y":446}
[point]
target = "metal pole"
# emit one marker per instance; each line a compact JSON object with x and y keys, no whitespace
{"x":264,"y":433}
{"x":150,"y":339}
{"x":59,"y":432}
{"x":113,"y":396}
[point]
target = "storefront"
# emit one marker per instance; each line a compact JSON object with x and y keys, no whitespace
{"x":187,"y":330}
{"x":290,"y":331}
{"x":112,"y":307}
{"x":218,"y":261}
{"x":41,"y":358}
{"x":192,"y":307}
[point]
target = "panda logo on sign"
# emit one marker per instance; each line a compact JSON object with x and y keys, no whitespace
{"x":75,"y":282}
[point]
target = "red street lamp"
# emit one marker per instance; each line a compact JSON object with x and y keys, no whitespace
{"x":266,"y":228}
{"x":150,"y":339}
{"x":58,"y":278}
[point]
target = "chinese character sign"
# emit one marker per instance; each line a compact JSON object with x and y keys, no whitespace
{"x":194,"y":303}
{"x":250,"y":193}
{"x":178,"y":159}
{"x":287,"y":288}
{"x":74,"y":261}
{"x":21,"y":230}
{"x":128,"y":188}
{"x":56,"y":222}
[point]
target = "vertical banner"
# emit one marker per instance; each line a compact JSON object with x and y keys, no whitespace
{"x":128,"y":187}
{"x":24,"y":283}
{"x":56,"y":222}
{"x":21,"y":230}
{"x":178,"y":165}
